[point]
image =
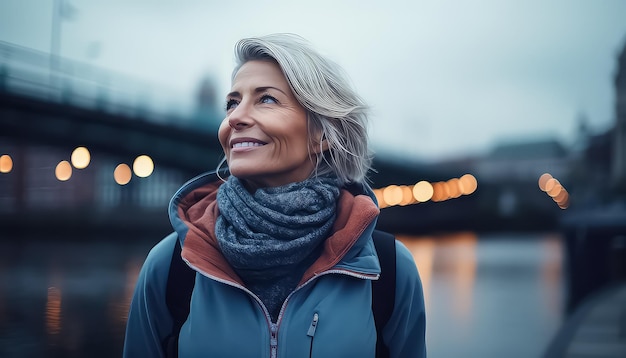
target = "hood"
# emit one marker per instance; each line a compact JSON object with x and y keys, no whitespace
{"x":210,"y":180}
{"x":193,"y":211}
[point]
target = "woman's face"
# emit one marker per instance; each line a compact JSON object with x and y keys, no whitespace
{"x":264,"y":134}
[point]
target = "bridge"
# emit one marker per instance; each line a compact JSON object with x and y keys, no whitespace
{"x":47,"y":108}
{"x":64,"y":126}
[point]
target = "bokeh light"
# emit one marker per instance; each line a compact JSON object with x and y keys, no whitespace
{"x":6,"y":163}
{"x":122,"y":174}
{"x":562,"y":196}
{"x":550,"y":184}
{"x":407,"y":195}
{"x":543,"y":180}
{"x":379,"y":198}
{"x":423,"y":191}
{"x":469,"y":184}
{"x":392,"y":195}
{"x":63,"y":171}
{"x":143,"y":166}
{"x":554,"y":189}
{"x":80,"y":158}
{"x":441,"y":191}
{"x":454,"y":187}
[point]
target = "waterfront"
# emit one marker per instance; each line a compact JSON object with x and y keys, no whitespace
{"x":497,"y":295}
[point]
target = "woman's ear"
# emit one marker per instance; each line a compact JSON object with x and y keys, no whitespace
{"x":319,"y":145}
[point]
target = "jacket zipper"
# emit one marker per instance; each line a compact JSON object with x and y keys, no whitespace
{"x":313,"y":326}
{"x":273,"y":339}
{"x":311,"y":332}
{"x":274,"y":326}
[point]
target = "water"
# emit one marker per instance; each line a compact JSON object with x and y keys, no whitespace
{"x":490,"y":296}
{"x":486,"y":296}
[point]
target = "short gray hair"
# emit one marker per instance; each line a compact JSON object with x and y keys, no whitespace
{"x":333,"y":107}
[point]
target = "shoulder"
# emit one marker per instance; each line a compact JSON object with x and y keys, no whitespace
{"x":404,"y":263}
{"x":149,"y":320}
{"x":162,"y":252}
{"x":405,"y":333}
{"x":157,"y":264}
{"x":406,"y":268}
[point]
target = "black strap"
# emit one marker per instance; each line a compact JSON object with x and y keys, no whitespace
{"x":384,"y":290}
{"x":180,"y":282}
{"x":181,"y":279}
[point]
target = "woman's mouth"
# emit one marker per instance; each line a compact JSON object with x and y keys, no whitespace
{"x":247,"y":144}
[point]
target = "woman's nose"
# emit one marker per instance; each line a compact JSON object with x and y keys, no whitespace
{"x":240,"y":117}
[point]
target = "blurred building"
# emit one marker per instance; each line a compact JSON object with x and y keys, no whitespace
{"x":512,"y":170}
{"x":599,"y":173}
{"x":208,"y":113}
{"x":524,"y":161}
{"x":33,"y":183}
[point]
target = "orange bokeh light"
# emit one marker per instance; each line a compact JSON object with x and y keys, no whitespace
{"x":454,"y":187}
{"x":6,"y":163}
{"x":469,"y":184}
{"x":392,"y":195}
{"x":122,"y":174}
{"x":63,"y":171}
{"x":550,"y":184}
{"x":378,"y":193}
{"x":561,"y":197}
{"x":407,"y":195}
{"x":543,"y":180}
{"x":556,"y":190}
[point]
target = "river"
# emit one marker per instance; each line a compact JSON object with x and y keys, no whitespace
{"x":497,"y":295}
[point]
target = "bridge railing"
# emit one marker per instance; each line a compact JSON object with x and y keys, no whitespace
{"x":29,"y":72}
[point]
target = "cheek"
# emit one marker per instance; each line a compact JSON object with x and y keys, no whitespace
{"x":222,"y":134}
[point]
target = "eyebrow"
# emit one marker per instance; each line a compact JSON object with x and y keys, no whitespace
{"x":256,"y":90}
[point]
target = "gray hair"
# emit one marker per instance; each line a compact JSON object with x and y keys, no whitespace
{"x":334,"y":110}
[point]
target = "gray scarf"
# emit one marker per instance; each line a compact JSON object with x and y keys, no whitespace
{"x":272,"y":236}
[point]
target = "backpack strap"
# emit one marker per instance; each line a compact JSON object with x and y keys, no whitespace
{"x":180,"y":282}
{"x":384,"y":289}
{"x":181,"y":279}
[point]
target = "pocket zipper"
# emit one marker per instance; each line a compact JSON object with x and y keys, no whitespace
{"x":311,"y":332}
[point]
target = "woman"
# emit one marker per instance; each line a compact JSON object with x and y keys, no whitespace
{"x":282,"y":244}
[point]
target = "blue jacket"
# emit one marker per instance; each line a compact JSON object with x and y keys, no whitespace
{"x":328,"y":315}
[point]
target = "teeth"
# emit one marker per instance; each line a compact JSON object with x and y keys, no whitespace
{"x":247,"y":144}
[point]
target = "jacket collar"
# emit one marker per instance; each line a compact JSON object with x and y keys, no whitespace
{"x":193,"y":210}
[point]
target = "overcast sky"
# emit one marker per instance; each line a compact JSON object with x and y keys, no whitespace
{"x":443,"y":77}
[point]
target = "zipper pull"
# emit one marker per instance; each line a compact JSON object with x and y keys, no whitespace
{"x":313,"y":326}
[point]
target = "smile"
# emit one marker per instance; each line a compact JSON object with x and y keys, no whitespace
{"x":247,"y":144}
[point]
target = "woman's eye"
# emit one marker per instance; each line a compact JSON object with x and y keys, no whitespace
{"x":231,"y":104}
{"x":268,"y":99}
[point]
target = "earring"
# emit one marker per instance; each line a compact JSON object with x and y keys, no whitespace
{"x":217,"y":170}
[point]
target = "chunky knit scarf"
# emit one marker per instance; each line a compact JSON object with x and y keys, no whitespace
{"x":272,"y":236}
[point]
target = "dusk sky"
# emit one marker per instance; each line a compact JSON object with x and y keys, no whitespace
{"x":443,"y":78}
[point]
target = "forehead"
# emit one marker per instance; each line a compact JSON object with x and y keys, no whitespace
{"x":260,"y":73}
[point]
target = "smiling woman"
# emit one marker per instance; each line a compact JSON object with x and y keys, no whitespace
{"x":264,"y":135}
{"x":279,"y":247}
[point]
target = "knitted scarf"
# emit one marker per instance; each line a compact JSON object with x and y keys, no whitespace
{"x":272,"y":236}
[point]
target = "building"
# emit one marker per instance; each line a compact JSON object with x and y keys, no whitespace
{"x":524,"y":161}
